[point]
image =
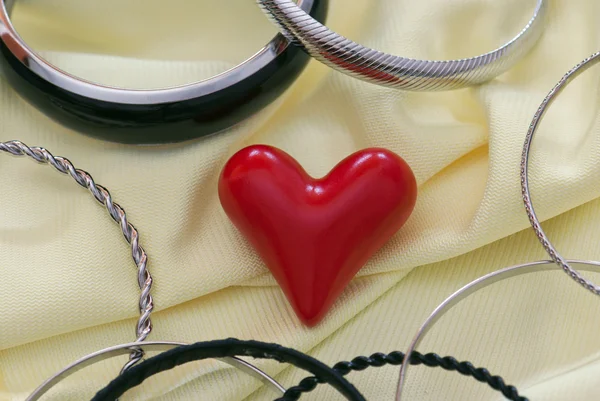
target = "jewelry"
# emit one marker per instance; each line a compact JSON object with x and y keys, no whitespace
{"x":323,"y":374}
{"x":225,"y":348}
{"x":384,"y":69}
{"x":395,"y":358}
{"x":533,"y":219}
{"x":145,"y":347}
{"x":116,"y":212}
{"x":471,"y":288}
{"x":152,"y":116}
{"x":146,"y":304}
{"x":314,"y":235}
{"x":134,"y":375}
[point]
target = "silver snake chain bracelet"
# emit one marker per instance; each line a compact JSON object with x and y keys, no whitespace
{"x":146,"y":304}
{"x":384,"y":69}
{"x":529,"y":209}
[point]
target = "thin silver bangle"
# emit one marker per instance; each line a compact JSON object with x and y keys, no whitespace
{"x":469,"y":289}
{"x":146,"y":346}
{"x":398,"y":72}
{"x":533,"y":219}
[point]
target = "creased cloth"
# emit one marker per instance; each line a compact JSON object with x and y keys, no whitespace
{"x":68,"y":284}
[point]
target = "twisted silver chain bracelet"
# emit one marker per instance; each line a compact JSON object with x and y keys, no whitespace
{"x":116,"y":212}
{"x":137,"y":349}
{"x":529,"y":209}
{"x":384,"y":69}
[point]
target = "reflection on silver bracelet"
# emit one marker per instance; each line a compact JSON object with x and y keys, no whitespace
{"x":384,"y":69}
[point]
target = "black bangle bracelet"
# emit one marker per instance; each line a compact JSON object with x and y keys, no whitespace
{"x":152,"y":116}
{"x":322,"y":373}
{"x":222,"y":349}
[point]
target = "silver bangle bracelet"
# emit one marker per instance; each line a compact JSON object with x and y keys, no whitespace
{"x":124,"y":349}
{"x":529,"y":209}
{"x":398,"y":72}
{"x":469,"y":289}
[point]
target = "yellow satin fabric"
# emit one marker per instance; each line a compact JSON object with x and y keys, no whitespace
{"x":68,"y":284}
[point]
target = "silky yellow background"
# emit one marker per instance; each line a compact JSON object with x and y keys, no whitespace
{"x":68,"y":284}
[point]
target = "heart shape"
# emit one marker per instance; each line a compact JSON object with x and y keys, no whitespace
{"x":314,"y":235}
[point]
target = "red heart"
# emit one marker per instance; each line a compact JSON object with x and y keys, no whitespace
{"x":315,"y":234}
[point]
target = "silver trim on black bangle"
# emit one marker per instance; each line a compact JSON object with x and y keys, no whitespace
{"x":384,"y":69}
{"x":80,"y":86}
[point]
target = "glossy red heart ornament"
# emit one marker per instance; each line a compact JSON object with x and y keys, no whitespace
{"x":315,"y":234}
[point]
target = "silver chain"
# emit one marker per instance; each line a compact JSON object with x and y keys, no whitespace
{"x":116,"y":212}
{"x":533,"y":219}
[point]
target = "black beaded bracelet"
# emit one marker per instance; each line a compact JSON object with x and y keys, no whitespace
{"x":153,"y":116}
{"x":395,"y":358}
{"x":322,"y":373}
